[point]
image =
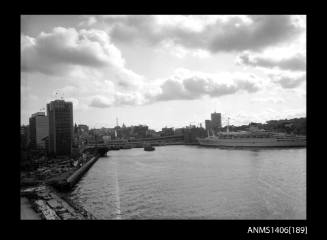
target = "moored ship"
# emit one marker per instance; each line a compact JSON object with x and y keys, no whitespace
{"x":253,"y":138}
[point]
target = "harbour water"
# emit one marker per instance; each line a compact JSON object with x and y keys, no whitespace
{"x":194,"y":182}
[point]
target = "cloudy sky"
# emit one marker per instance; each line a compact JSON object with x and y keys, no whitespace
{"x":169,"y":70}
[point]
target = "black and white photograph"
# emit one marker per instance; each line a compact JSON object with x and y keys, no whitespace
{"x":163,"y":117}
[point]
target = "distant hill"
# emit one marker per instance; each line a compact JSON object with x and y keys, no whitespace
{"x":296,"y":126}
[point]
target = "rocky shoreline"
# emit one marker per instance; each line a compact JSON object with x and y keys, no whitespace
{"x":50,"y":204}
{"x":45,"y":183}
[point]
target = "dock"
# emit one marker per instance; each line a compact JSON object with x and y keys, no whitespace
{"x":78,"y":174}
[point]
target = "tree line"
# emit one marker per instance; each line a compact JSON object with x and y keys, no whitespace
{"x":291,"y":126}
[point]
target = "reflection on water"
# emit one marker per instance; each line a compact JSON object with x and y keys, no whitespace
{"x":191,"y":182}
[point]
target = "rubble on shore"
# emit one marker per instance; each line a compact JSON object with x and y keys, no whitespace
{"x":51,"y":205}
{"x":42,"y":184}
{"x":52,"y":170}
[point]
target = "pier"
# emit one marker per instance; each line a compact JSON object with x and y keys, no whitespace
{"x":44,"y":185}
{"x":76,"y":176}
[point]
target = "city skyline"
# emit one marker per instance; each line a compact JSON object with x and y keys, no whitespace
{"x":192,"y":124}
{"x":165,"y":70}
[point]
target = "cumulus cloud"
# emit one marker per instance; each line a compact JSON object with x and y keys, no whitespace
{"x":62,"y":48}
{"x":97,"y":89}
{"x":295,"y":62}
{"x":90,"y":58}
{"x":188,"y":85}
{"x":182,"y":85}
{"x":288,"y":80}
{"x":117,"y":99}
{"x":195,"y":23}
{"x":101,"y":102}
{"x":89,"y":21}
{"x":77,"y":54}
{"x":130,"y":98}
{"x":67,"y":91}
{"x":264,"y":31}
{"x":168,"y":46}
{"x":215,"y":33}
{"x":274,"y":100}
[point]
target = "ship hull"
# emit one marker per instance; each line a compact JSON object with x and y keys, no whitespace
{"x":262,"y":142}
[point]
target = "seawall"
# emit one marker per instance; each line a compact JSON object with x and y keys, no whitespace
{"x":76,"y":176}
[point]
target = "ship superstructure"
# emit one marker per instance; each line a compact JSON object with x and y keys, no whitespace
{"x":253,"y":138}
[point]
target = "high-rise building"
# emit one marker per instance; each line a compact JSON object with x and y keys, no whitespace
{"x":216,"y":120}
{"x":207,"y":124}
{"x":39,"y":129}
{"x":60,"y":115}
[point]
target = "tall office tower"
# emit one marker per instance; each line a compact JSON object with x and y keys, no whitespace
{"x":39,"y":129}
{"x":207,"y":124}
{"x":60,"y":115}
{"x":216,"y":120}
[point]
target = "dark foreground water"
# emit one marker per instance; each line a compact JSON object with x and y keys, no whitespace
{"x":192,"y":182}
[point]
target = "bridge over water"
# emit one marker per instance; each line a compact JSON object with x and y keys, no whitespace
{"x":103,"y":148}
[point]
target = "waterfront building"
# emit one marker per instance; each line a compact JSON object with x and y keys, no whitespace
{"x":151,"y":133}
{"x":101,"y":131}
{"x":139,"y":131}
{"x":216,"y":120}
{"x":179,"y":131}
{"x":106,"y":139}
{"x":167,"y":131}
{"x":60,"y":115}
{"x":207,"y":124}
{"x":192,"y":133}
{"x":39,"y":129}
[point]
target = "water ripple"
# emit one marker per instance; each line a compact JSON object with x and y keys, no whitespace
{"x":186,"y":182}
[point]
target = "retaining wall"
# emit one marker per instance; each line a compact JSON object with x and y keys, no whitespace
{"x":76,"y":176}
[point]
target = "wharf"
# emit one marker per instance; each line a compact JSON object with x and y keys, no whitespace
{"x":43,"y":188}
{"x":43,"y":202}
{"x":76,"y":176}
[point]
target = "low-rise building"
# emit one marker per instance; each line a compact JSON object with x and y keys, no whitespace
{"x":192,"y":133}
{"x":179,"y":131}
{"x":167,"y":131}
